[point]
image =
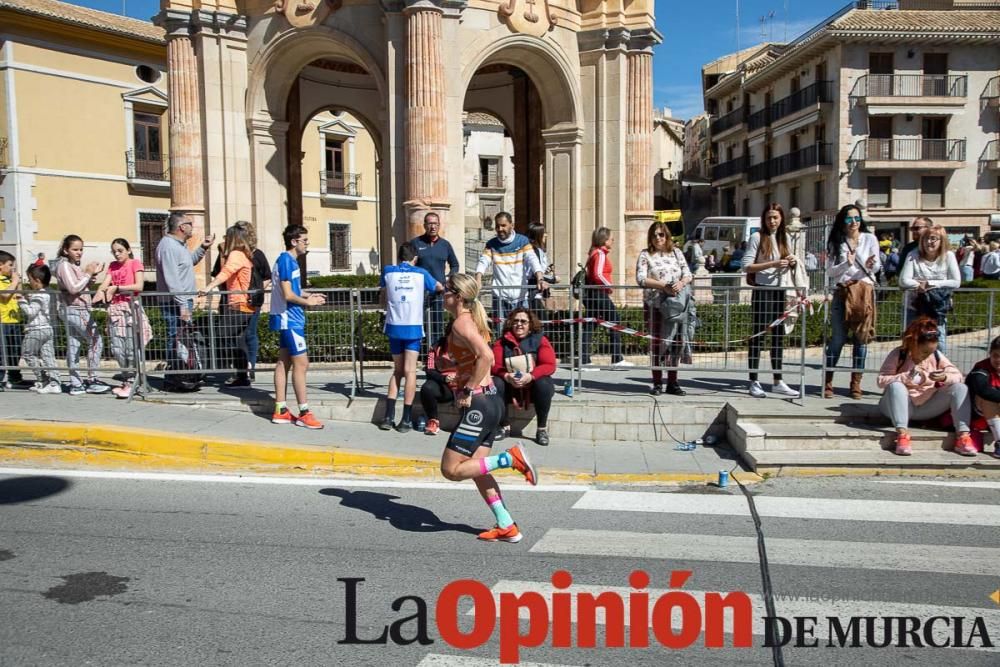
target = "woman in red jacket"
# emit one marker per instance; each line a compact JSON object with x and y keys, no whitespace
{"x":597,"y":300}
{"x":524,"y":360}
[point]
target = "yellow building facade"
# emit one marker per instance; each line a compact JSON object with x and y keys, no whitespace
{"x":84,"y":144}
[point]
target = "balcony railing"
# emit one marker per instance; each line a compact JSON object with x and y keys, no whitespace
{"x":821,"y":91}
{"x":731,"y":168}
{"x":904,"y":150}
{"x":815,"y":155}
{"x":3,"y":153}
{"x":339,"y":183}
{"x":992,"y":152}
{"x":912,"y":85}
{"x":148,"y":167}
{"x":759,"y":119}
{"x":490,"y":183}
{"x":730,"y":120}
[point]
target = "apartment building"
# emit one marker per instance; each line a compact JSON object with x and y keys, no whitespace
{"x":893,"y":103}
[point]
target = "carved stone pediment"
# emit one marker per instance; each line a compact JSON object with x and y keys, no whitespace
{"x":306,"y":13}
{"x":528,"y":17}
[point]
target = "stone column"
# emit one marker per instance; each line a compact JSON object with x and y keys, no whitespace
{"x":268,"y":146}
{"x":638,"y":157}
{"x":426,"y":140}
{"x":187,"y":178}
{"x":568,"y":243}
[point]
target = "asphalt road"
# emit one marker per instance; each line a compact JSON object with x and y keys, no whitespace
{"x":114,"y":571}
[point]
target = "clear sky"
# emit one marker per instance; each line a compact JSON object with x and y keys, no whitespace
{"x":694,"y":33}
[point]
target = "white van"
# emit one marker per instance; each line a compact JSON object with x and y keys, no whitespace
{"x":724,"y":232}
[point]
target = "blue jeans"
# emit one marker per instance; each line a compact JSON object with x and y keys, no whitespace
{"x":598,"y":304}
{"x":252,"y":340}
{"x":839,"y":338}
{"x":172,"y":316}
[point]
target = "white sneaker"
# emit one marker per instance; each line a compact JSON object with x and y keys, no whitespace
{"x":35,"y":387}
{"x":624,"y":363}
{"x":589,"y":368}
{"x":780,"y":387}
{"x":756,"y":390}
{"x":51,"y":388}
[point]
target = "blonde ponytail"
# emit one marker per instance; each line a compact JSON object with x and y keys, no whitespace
{"x":468,"y":289}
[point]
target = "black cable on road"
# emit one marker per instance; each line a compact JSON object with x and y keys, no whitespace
{"x":765,"y":576}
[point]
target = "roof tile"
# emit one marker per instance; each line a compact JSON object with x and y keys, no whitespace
{"x":90,"y":18}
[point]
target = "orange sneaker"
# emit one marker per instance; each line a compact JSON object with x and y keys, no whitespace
{"x":432,"y":427}
{"x":283,"y":416}
{"x":522,"y":463}
{"x":498,"y":534}
{"x":903,"y":445}
{"x":964,"y":446}
{"x":308,"y":420}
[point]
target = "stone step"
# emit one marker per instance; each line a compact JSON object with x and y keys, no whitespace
{"x":764,"y":461}
{"x":832,"y":436}
{"x":815,"y":411}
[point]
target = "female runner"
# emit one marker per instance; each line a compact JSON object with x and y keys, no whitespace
{"x":466,"y":456}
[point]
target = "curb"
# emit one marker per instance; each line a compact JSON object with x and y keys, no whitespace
{"x":41,"y":443}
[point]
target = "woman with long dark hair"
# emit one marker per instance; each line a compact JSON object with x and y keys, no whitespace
{"x":852,"y":261}
{"x":768,"y":255}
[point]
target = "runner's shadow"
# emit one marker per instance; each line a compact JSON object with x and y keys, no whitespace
{"x":401,"y":517}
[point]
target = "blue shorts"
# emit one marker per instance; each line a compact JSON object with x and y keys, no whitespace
{"x":397,"y":345}
{"x":293,"y":340}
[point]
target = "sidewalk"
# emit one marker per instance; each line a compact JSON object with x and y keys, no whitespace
{"x":99,"y":431}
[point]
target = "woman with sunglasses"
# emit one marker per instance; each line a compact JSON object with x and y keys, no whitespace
{"x":662,"y":270}
{"x":929,"y":274}
{"x":524,"y":361}
{"x":920,"y":383}
{"x":852,"y":261}
{"x":467,"y":454}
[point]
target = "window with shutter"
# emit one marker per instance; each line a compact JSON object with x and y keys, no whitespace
{"x":150,"y":232}
{"x":340,"y":247}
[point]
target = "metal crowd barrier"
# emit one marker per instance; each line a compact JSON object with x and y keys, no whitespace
{"x":346,"y":334}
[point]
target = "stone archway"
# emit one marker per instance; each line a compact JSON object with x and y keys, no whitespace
{"x":277,"y":92}
{"x":542,"y":109}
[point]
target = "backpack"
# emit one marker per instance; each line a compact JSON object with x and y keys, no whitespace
{"x":189,"y":357}
{"x":578,"y":281}
{"x":258,"y":275}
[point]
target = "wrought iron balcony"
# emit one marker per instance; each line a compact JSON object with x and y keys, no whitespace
{"x":916,"y":151}
{"x":731,"y":168}
{"x":148,"y":167}
{"x":911,"y":85}
{"x":729,"y":121}
{"x":333,"y":183}
{"x":821,"y":91}
{"x":814,"y":155}
{"x":759,"y":119}
{"x":991,"y":155}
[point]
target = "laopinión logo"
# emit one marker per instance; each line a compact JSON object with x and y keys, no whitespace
{"x":552,"y":618}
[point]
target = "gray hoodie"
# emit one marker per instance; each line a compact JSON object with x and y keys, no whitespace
{"x":37,"y":311}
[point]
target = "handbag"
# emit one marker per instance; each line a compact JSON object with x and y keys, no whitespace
{"x":674,"y":307}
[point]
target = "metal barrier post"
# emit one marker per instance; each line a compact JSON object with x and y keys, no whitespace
{"x":211,"y":333}
{"x":578,"y":362}
{"x":361,"y":341}
{"x":725,"y":334}
{"x":989,"y":319}
{"x":802,"y":352}
{"x":354,"y":356}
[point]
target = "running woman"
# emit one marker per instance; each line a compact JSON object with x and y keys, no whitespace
{"x":467,"y":454}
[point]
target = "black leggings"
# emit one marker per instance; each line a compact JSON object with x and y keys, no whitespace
{"x":433,"y":393}
{"x":542,"y":390}
{"x":765,"y":307}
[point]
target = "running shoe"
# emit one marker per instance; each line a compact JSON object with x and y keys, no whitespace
{"x":903,"y":446}
{"x":123,"y":391}
{"x":308,"y":420}
{"x":964,"y":446}
{"x":77,"y":390}
{"x":403,"y":426}
{"x":51,"y":388}
{"x":623,"y":363}
{"x":783,"y":389}
{"x":498,"y":534}
{"x":283,"y":416}
{"x":385,"y":425}
{"x":432,"y":428}
{"x":756,"y":390}
{"x":97,"y":387}
{"x":35,"y":387}
{"x":522,"y":464}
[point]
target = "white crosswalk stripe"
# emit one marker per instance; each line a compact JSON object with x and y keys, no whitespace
{"x":820,"y":609}
{"x":791,"y":508}
{"x":730,"y":549}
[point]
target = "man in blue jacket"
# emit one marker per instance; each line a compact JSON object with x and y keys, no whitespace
{"x":433,"y":252}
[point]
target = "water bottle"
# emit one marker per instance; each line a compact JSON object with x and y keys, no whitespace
{"x":568,"y":389}
{"x":685,"y":447}
{"x":421,"y":423}
{"x":517,"y":375}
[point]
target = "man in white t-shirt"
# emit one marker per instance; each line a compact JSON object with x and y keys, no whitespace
{"x":403,"y":287}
